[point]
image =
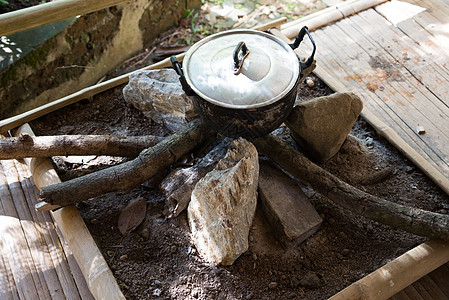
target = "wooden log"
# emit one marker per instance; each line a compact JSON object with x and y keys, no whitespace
{"x":399,"y":273}
{"x":130,"y":174}
{"x":414,"y":220}
{"x":179,"y":184}
{"x":63,"y":145}
{"x":15,"y":121}
{"x":50,"y":12}
{"x":286,"y":207}
{"x":74,"y":232}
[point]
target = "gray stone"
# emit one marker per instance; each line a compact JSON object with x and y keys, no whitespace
{"x":286,"y":207}
{"x":158,"y":94}
{"x":321,"y":125}
{"x":223,"y":205}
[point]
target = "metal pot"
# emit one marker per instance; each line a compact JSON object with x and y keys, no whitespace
{"x":243,"y":82}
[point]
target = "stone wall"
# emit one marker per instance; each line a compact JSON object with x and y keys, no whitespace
{"x":85,"y":51}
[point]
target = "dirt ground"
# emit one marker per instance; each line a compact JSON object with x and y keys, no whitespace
{"x":158,"y":260}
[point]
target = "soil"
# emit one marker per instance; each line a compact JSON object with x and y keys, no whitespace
{"x":10,"y":5}
{"x":158,"y":259}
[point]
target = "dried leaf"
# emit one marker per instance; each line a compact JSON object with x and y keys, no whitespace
{"x":132,"y":215}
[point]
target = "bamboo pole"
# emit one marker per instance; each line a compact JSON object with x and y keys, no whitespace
{"x":327,"y":16}
{"x":99,"y":277}
{"x":50,"y":12}
{"x":12,"y":122}
{"x":399,"y":273}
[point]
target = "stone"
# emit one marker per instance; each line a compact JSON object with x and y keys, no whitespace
{"x":223,"y":205}
{"x":159,"y":95}
{"x":321,"y":125}
{"x":288,"y":210}
{"x":310,"y":280}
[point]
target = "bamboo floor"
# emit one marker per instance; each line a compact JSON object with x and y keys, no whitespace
{"x":435,"y":285}
{"x":34,"y":261}
{"x":396,"y":57}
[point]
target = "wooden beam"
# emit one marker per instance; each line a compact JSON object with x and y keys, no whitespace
{"x":399,"y":273}
{"x":50,"y":12}
{"x":99,"y":277}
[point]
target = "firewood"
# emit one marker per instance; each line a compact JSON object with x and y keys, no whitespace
{"x":179,"y":184}
{"x":130,"y":174}
{"x":61,"y":145}
{"x":414,"y":220}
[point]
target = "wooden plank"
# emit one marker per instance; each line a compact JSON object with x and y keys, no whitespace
{"x":432,"y":288}
{"x":333,"y":56}
{"x":64,"y":272}
{"x":441,"y":277}
{"x":15,"y":121}
{"x":412,"y":293}
{"x":328,"y":69}
{"x":357,"y":73}
{"x":50,"y":12}
{"x":409,"y":55}
{"x":99,"y":277}
{"x":399,"y":273}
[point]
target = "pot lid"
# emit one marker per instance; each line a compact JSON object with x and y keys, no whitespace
{"x":268,"y":71}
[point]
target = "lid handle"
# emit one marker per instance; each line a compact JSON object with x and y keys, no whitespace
{"x":238,"y":59}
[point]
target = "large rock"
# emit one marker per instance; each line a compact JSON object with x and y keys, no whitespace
{"x":158,"y":94}
{"x":223,"y":205}
{"x":321,"y":125}
{"x":286,"y":207}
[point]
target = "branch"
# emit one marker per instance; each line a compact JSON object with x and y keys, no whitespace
{"x":128,"y":175}
{"x":63,"y":145}
{"x":414,"y":220}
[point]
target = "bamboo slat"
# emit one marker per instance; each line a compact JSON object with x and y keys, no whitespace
{"x":14,"y":245}
{"x":399,"y":273}
{"x":50,"y":12}
{"x":65,"y":273}
{"x":99,"y":277}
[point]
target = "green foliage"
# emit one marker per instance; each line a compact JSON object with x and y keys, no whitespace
{"x":4,"y":2}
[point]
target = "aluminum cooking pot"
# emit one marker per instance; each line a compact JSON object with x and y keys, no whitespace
{"x":243,"y":82}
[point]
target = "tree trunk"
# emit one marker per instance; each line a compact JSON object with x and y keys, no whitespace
{"x":63,"y":145}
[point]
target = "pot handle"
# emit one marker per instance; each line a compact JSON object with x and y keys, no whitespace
{"x":182,"y":79}
{"x":238,"y":60}
{"x":298,"y":40}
